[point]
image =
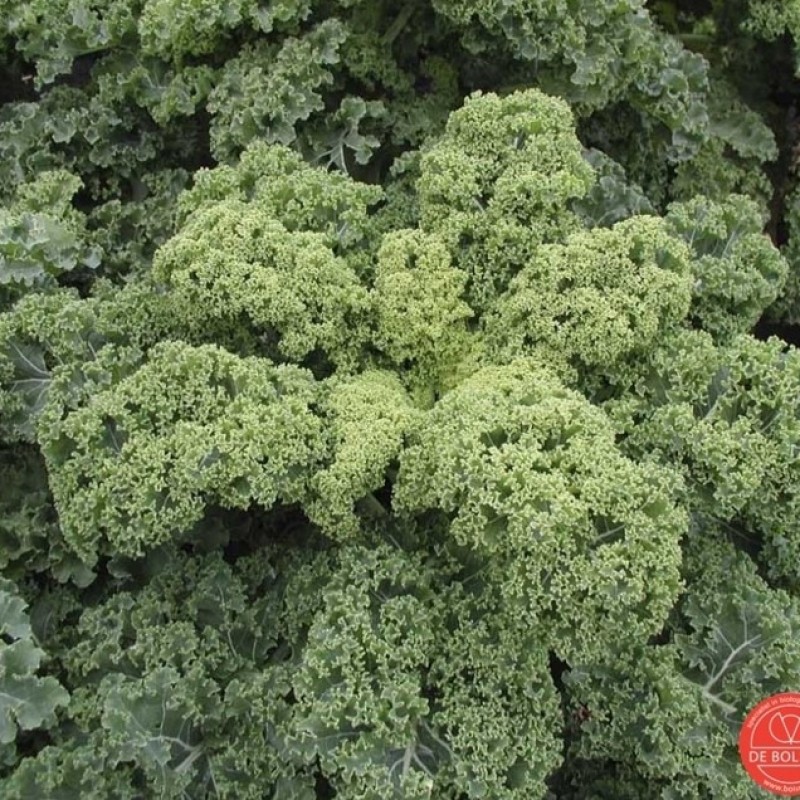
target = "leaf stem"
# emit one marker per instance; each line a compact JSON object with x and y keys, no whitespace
{"x":399,"y":23}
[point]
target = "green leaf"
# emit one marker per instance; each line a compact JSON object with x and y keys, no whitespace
{"x":34,"y":377}
{"x":726,"y":641}
{"x":147,"y":723}
{"x":26,"y":701}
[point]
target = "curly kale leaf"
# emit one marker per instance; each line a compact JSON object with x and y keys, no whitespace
{"x":572,"y":532}
{"x":596,"y":299}
{"x":497,"y":184}
{"x":235,"y":260}
{"x":738,"y":271}
{"x":136,"y":465}
{"x":266,"y":90}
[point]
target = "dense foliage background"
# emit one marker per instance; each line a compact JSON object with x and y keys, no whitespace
{"x":396,"y":400}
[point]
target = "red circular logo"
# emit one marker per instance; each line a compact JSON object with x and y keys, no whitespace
{"x":769,"y":744}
